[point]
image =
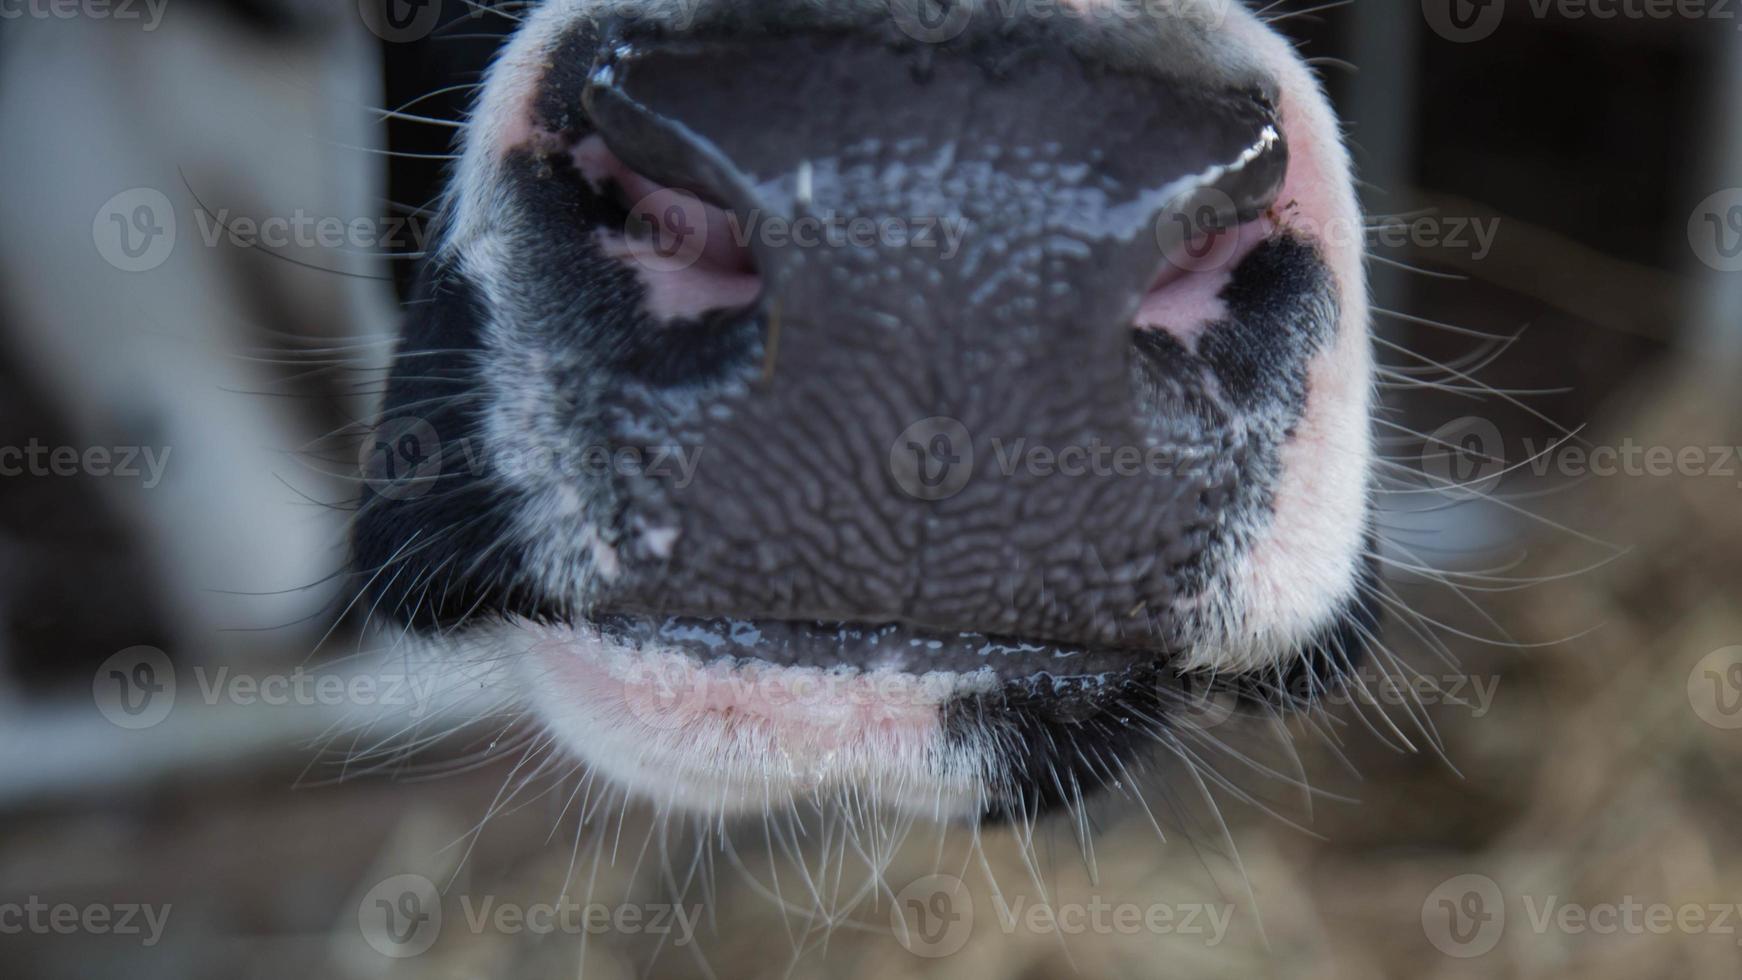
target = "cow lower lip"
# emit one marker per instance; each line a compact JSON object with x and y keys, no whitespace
{"x":864,"y":647}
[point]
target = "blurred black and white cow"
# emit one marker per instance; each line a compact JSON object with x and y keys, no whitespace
{"x":888,"y":401}
{"x":142,"y":130}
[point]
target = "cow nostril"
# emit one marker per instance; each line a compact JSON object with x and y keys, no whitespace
{"x":691,"y":255}
{"x":1186,"y":295}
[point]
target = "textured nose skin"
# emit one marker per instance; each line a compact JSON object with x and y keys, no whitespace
{"x":949,"y":428}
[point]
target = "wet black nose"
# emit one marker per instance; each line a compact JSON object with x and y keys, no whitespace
{"x":950,"y":422}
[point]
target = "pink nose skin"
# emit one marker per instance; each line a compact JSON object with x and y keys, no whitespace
{"x":691,"y":256}
{"x":1187,"y":294}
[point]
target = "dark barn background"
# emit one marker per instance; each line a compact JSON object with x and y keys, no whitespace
{"x":1599,"y":610}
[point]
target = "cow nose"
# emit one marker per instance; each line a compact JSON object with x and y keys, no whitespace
{"x":951,"y":243}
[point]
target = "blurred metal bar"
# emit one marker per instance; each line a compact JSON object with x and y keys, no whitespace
{"x":1380,"y":106}
{"x":55,"y":752}
{"x":1717,"y":334}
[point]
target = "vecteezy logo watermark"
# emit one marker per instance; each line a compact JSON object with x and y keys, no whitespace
{"x":402,"y":916}
{"x":135,"y":230}
{"x":933,"y":916}
{"x":123,"y":462}
{"x":1465,"y":458}
{"x":1464,"y":21}
{"x":37,"y":917}
{"x":402,"y":458}
{"x":303,"y":230}
{"x":665,"y":695}
{"x":135,"y":688}
{"x":1634,"y":9}
{"x":567,"y":917}
{"x":670,"y":230}
{"x":1715,"y":688}
{"x":1097,"y":458}
{"x":1715,"y":230}
{"x":1375,"y":688}
{"x":149,"y":11}
{"x":401,"y":21}
{"x":1463,"y":234}
{"x":932,"y":21}
{"x":932,"y":459}
{"x":1201,"y":234}
{"x":1197,"y":235}
{"x":1099,"y":917}
{"x":667,"y":231}
{"x":1465,"y":917}
{"x":1631,"y":917}
{"x":413,"y":691}
{"x":1634,"y":459}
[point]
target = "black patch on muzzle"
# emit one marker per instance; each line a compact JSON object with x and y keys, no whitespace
{"x":434,"y":538}
{"x":1062,"y":741}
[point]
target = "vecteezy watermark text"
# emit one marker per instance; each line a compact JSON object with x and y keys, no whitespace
{"x":137,"y":688}
{"x":1467,"y":916}
{"x":404,"y":458}
{"x":404,"y":915}
{"x":671,"y":229}
{"x":37,"y":917}
{"x":1468,"y":458}
{"x":933,"y":917}
{"x":1634,"y":459}
{"x":149,"y":12}
{"x":137,"y":230}
{"x":935,"y":458}
{"x":300,"y":229}
{"x":35,"y":458}
{"x":1468,"y":21}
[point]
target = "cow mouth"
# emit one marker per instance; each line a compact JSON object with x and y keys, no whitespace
{"x":869,"y":648}
{"x":735,"y":715}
